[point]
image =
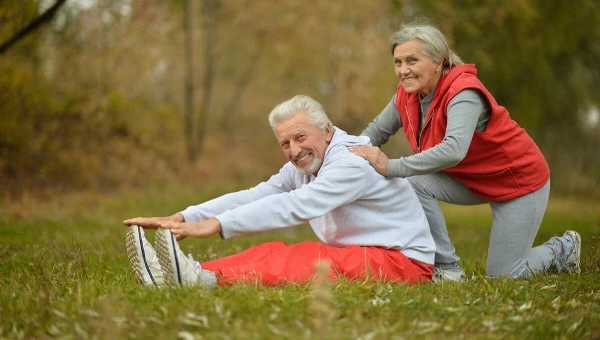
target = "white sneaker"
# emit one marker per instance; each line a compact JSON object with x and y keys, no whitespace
{"x":178,"y":268}
{"x":142,"y":257}
{"x":455,"y":275}
{"x":573,"y":262}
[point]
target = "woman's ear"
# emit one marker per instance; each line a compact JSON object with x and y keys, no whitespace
{"x":441,"y":65}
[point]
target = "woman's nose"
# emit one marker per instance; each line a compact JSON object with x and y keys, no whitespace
{"x":404,"y":69}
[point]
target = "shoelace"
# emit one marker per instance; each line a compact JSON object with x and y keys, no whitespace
{"x":196,"y":263}
{"x":570,"y":243}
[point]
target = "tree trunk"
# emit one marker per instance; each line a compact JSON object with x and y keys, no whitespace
{"x":188,"y":117}
{"x":210,"y":30}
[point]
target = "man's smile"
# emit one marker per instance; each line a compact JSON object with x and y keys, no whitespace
{"x":302,"y":157}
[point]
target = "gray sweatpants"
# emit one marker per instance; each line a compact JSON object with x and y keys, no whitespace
{"x":514,"y":227}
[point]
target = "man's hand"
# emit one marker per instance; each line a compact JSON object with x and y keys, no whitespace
{"x":204,"y":229}
{"x":374,"y":155}
{"x":153,"y":222}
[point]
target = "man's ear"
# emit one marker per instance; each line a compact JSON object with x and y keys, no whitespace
{"x":328,"y":133}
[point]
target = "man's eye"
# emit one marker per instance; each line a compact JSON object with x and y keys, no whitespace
{"x":412,"y":60}
{"x":397,"y":62}
{"x":285,"y":145}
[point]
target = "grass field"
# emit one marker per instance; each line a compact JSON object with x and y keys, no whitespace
{"x":64,"y":273}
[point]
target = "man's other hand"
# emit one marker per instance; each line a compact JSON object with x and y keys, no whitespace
{"x":153,"y":222}
{"x":202,"y":229}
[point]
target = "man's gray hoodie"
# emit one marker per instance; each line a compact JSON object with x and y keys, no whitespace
{"x":347,"y":203}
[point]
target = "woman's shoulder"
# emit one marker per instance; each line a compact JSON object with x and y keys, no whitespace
{"x":463,"y":81}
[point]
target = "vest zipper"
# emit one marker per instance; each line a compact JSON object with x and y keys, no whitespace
{"x":412,"y":130}
{"x":423,"y":129}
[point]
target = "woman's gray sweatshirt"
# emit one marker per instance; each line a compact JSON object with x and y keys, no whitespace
{"x":468,"y":112}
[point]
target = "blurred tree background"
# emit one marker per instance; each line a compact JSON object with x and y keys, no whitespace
{"x":113,"y":94}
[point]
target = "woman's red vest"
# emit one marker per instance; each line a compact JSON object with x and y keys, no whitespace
{"x":502,"y":163}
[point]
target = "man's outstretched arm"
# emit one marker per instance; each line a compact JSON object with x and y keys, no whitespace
{"x":337,"y":184}
{"x":278,"y":183}
{"x":207,"y":210}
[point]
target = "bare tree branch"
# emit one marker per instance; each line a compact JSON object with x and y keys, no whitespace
{"x":47,"y":16}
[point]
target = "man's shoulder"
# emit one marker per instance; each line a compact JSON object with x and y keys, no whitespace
{"x":344,"y":159}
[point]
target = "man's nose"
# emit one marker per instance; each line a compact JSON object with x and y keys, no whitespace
{"x":295,"y":149}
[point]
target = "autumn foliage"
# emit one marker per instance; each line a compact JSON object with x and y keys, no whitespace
{"x":94,"y":99}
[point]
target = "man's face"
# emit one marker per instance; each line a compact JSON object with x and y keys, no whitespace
{"x":303,"y":143}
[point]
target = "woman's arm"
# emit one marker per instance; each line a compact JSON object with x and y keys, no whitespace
{"x":386,"y":124}
{"x":465,"y":110}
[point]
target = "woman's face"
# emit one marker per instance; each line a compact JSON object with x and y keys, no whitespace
{"x":416,"y":71}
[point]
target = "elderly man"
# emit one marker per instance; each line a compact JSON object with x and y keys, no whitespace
{"x":368,"y":225}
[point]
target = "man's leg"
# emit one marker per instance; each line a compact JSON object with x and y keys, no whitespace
{"x":296,"y":263}
{"x":441,"y":187}
{"x":251,"y":255}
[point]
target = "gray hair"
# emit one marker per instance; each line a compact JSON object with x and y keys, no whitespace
{"x":287,"y":109}
{"x":434,"y":43}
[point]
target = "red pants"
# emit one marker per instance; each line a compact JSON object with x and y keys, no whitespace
{"x":275,"y":263}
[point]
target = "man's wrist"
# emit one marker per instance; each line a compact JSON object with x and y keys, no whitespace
{"x":178,"y":217}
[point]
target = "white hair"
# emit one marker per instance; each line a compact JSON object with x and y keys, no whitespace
{"x":313,"y":109}
{"x":434,"y":43}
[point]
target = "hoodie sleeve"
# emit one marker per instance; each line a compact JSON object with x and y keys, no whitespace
{"x":336,"y":185}
{"x":277,"y":184}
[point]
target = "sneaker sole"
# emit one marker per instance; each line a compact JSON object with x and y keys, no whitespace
{"x":447,"y":277}
{"x":576,"y":250}
{"x":137,"y":255}
{"x":167,"y":256}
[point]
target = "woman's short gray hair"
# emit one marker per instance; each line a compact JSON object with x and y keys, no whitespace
{"x":287,"y":109}
{"x":434,"y":42}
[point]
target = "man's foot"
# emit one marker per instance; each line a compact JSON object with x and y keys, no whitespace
{"x":455,"y":274}
{"x":178,"y":268}
{"x":143,"y":257}
{"x":572,"y":264}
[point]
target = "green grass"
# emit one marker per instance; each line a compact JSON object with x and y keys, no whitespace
{"x":64,"y":273}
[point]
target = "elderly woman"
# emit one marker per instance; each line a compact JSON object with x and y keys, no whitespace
{"x":467,"y":151}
